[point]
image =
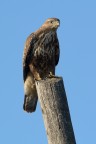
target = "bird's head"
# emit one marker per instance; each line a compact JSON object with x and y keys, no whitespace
{"x":52,"y":24}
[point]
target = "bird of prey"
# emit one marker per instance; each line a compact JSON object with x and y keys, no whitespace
{"x":41,"y":55}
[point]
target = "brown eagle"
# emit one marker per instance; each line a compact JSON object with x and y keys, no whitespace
{"x":41,"y":55}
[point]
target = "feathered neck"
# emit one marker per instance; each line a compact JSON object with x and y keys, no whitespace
{"x":44,"y":30}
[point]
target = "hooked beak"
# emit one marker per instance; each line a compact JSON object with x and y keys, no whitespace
{"x":56,"y":24}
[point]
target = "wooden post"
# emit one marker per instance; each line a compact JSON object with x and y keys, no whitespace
{"x":53,"y":101}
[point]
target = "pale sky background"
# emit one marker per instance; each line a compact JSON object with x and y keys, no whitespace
{"x":77,"y":66}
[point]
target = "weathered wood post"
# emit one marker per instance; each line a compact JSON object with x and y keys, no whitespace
{"x":53,"y":101}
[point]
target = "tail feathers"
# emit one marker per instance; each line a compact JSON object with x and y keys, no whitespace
{"x":30,"y":103}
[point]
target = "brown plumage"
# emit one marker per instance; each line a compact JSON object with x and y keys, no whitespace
{"x":41,"y":55}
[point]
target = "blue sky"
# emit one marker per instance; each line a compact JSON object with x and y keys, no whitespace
{"x":77,"y":66}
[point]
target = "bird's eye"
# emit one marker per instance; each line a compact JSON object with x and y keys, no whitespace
{"x":51,"y":22}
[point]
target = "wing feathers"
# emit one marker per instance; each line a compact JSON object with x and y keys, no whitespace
{"x":27,"y":55}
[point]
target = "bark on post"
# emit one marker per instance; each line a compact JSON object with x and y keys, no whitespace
{"x":53,"y":101}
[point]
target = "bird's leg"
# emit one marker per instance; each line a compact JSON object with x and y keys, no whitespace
{"x":52,"y":75}
{"x":36,"y":74}
{"x":37,"y":78}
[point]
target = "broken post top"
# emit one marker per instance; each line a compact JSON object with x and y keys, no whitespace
{"x":50,"y":80}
